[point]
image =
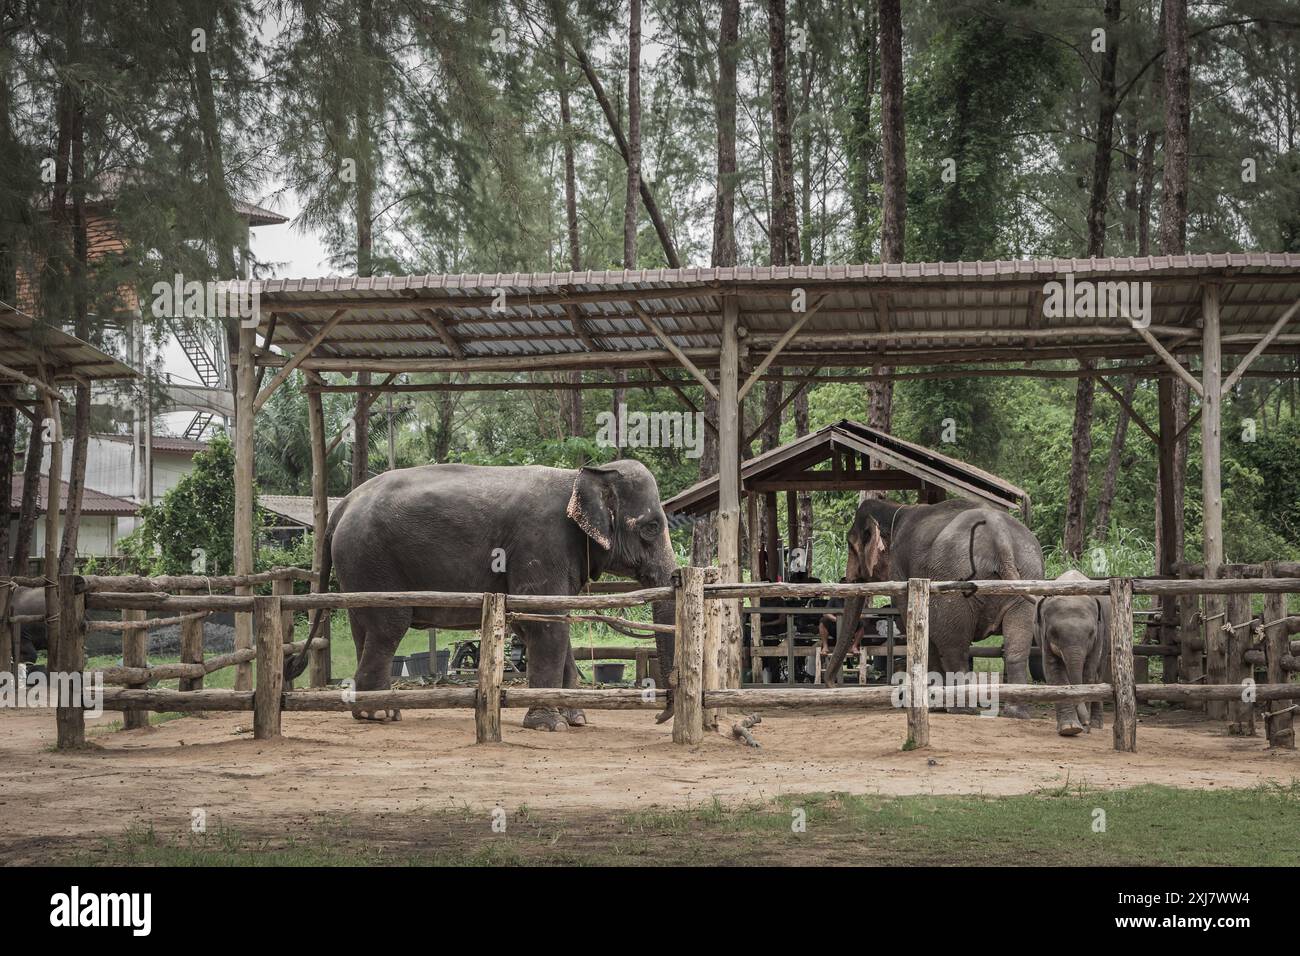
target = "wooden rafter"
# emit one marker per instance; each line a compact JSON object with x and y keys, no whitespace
{"x":676,"y":352}
{"x":1259,"y":348}
{"x":780,"y":344}
{"x":298,"y":358}
{"x":444,"y":333}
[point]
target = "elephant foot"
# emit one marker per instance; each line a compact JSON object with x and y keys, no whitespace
{"x":1015,"y":711}
{"x":1070,"y":729}
{"x":545,"y":718}
{"x":665,"y":715}
{"x":575,"y":717}
{"x":378,"y":716}
{"x":1095,"y":723}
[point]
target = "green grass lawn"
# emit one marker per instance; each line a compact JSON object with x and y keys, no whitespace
{"x":1147,"y":825}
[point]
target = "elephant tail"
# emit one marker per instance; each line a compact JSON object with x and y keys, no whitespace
{"x":296,"y":664}
{"x":1008,"y":569}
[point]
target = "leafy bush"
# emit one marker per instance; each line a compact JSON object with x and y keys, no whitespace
{"x":194,"y":521}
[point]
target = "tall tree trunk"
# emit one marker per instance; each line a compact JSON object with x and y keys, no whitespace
{"x":1176,"y":81}
{"x":1101,"y":522}
{"x":574,"y":403}
{"x":1077,"y":507}
{"x":75,"y":230}
{"x":1077,"y":504}
{"x":1104,"y":140}
{"x":784,"y":230}
{"x":27,"y":507}
{"x":366,"y":160}
{"x":630,"y":206}
{"x":704,"y":534}
{"x":893,"y":229}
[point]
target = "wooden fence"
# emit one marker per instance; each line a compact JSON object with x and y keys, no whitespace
{"x":705,"y":675}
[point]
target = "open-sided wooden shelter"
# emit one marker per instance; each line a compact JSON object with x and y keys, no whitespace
{"x":860,"y":458}
{"x":729,"y":329}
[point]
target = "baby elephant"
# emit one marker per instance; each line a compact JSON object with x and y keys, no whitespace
{"x":1074,"y":633}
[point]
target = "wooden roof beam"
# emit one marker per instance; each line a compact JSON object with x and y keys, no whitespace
{"x":676,"y":352}
{"x":297,"y":359}
{"x":444,"y":333}
{"x":780,"y":344}
{"x":1259,"y":348}
{"x":1167,"y":357}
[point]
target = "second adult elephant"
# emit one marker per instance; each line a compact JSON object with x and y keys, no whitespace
{"x":513,"y":530}
{"x":953,"y":540}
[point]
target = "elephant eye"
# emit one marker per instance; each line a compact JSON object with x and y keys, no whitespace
{"x":650,"y":528}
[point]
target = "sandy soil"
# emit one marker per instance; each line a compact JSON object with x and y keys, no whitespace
{"x":329,"y":764}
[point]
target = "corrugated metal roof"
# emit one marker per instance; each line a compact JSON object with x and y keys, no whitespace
{"x":23,"y":342}
{"x":952,"y":474}
{"x":900,"y":314}
{"x":92,"y":502}
{"x":166,"y":444}
{"x":297,"y":508}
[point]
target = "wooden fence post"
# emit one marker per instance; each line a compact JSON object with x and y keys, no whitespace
{"x":1191,"y":664}
{"x":918,"y":664}
{"x":1241,"y":713}
{"x":280,"y":587}
{"x":1277,"y":645}
{"x":135,"y":653}
{"x":491,"y":670}
{"x":268,"y":625}
{"x":688,"y":658}
{"x":191,"y":648}
{"x":1121,"y":663}
{"x":711,"y":675}
{"x":1216,"y":651}
{"x":71,"y":720}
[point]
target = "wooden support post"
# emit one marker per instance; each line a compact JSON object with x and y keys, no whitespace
{"x":53,"y":426}
{"x":71,"y":720}
{"x":712,"y":658}
{"x":320,"y":659}
{"x":1212,"y":488}
{"x":491,"y":670}
{"x":1121,"y":664}
{"x":281,"y":587}
{"x":268,"y":616}
{"x":245,"y":394}
{"x":135,"y":653}
{"x":918,"y":664}
{"x":688,"y":658}
{"x":1237,"y":637}
{"x":729,"y":483}
{"x":1278,"y":723}
{"x":191,"y":649}
{"x":1167,"y":526}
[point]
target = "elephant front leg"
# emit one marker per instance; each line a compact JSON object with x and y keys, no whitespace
{"x":548,"y":653}
{"x":573,"y":715}
{"x":1067,"y":714}
{"x":1017,"y":639}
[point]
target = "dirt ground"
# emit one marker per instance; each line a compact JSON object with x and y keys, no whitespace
{"x":329,"y":764}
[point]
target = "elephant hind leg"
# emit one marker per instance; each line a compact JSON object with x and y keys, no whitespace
{"x":1017,"y":639}
{"x":377,"y":632}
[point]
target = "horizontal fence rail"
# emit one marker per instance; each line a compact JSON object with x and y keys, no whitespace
{"x":704,"y":683}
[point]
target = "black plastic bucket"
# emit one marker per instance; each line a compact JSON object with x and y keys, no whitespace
{"x":609,"y":673}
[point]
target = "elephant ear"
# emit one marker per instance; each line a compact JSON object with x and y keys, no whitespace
{"x":874,"y":556}
{"x":591,"y":505}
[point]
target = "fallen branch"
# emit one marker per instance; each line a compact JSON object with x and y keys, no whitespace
{"x":740,"y":731}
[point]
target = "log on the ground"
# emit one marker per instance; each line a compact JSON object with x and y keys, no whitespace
{"x":741,"y":730}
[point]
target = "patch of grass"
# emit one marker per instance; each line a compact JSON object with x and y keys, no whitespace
{"x":1062,"y":826}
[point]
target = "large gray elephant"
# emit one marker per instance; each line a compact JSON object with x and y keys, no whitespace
{"x":518,"y":530}
{"x":953,"y":540}
{"x":1074,"y":633}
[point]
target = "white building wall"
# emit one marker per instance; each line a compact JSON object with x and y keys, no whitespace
{"x":97,"y":537}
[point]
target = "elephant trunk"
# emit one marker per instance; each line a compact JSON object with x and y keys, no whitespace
{"x":844,"y":636}
{"x":665,"y":612}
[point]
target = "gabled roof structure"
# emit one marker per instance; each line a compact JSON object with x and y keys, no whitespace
{"x":849,"y":447}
